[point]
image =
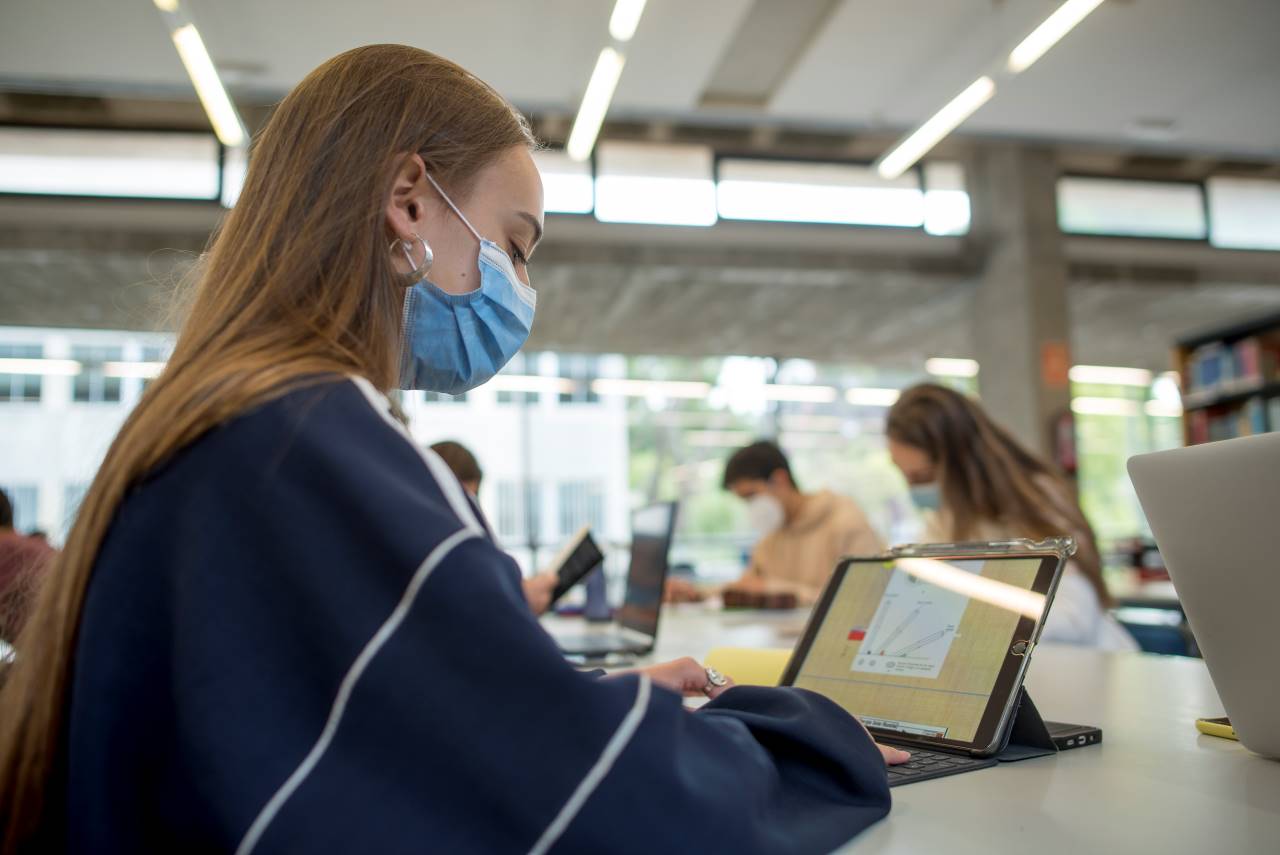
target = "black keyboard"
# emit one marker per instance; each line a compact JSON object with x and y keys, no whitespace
{"x":925,"y":764}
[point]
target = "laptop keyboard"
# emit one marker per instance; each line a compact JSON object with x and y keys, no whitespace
{"x":925,"y":764}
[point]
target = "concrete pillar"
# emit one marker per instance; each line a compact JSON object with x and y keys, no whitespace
{"x":1021,"y":328}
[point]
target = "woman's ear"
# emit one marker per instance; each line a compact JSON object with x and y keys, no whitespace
{"x":406,"y":209}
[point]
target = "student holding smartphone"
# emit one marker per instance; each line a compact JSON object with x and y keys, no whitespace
{"x":278,"y":625}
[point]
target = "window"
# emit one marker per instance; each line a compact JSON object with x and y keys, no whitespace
{"x":510,"y":526}
{"x":153,"y":358}
{"x":566,"y":184}
{"x":660,"y":184}
{"x":15,"y":388}
{"x":521,"y":364}
{"x":72,"y":496}
{"x":141,"y":164}
{"x":24,"y":498}
{"x":92,"y":384}
{"x":581,"y":503}
{"x":1108,"y":206}
{"x":583,"y":370}
{"x":519,"y":511}
{"x":817,"y":193}
{"x":442,"y":398}
{"x":946,"y":199}
{"x":1244,"y":213}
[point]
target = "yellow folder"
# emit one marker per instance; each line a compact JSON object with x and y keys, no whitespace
{"x":749,"y":666}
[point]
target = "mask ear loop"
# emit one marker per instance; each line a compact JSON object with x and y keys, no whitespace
{"x":417,"y":272}
{"x":454,"y":207}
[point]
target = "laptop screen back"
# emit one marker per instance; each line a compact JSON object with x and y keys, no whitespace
{"x":651,"y":531}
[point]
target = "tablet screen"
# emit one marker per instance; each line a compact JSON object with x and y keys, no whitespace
{"x":921,"y":646}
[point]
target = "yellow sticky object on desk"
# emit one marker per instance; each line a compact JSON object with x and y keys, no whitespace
{"x":749,"y":666}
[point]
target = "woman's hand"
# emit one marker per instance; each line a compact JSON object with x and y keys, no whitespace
{"x":686,"y":676}
{"x":538,"y":590}
{"x":892,"y":756}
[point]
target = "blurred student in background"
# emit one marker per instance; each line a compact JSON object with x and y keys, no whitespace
{"x":972,"y":480}
{"x":463,"y":464}
{"x":21,"y":558}
{"x":802,"y":535}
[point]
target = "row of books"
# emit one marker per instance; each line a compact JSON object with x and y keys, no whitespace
{"x":1256,"y":415}
{"x":1221,"y":367}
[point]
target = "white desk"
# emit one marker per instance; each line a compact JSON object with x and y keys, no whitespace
{"x":1154,"y":785}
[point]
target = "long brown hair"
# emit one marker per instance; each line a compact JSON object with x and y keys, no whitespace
{"x":298,"y":284}
{"x":987,"y":476}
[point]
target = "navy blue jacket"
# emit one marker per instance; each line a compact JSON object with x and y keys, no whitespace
{"x":299,"y":638}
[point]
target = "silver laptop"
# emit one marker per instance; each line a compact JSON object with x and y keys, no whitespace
{"x":636,"y":622}
{"x":1213,"y":511}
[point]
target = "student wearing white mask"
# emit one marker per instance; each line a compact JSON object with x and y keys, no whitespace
{"x":802,"y":535}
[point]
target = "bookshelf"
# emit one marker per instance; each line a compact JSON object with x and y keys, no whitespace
{"x":1230,"y":380}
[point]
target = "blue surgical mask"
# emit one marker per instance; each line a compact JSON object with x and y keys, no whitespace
{"x":453,"y":343}
{"x":926,"y":497}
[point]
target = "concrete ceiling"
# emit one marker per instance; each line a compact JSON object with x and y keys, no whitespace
{"x":1201,"y":76}
{"x":879,"y":297}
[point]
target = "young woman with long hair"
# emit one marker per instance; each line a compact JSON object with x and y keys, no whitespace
{"x":973,"y":480}
{"x":279,"y":625}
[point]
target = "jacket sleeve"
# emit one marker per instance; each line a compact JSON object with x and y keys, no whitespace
{"x":372,"y":680}
{"x":469,"y":732}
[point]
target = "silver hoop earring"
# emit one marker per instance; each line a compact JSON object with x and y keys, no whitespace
{"x":417,"y":272}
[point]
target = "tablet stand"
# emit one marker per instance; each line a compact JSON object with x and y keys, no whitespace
{"x":1028,"y":736}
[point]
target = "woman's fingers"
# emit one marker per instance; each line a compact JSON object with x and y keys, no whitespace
{"x":893,"y":756}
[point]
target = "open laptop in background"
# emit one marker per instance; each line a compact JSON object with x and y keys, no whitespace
{"x":635,"y":625}
{"x":1212,"y":510}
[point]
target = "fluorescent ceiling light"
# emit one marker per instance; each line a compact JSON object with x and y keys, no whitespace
{"x":43,"y":367}
{"x":532,"y":383}
{"x":918,"y":143}
{"x":166,"y":5}
{"x":1110,"y":376}
{"x":650,"y":388}
{"x":625,"y":18}
{"x":143,"y":370}
{"x":871,"y":397}
{"x":798,"y":394}
{"x":595,"y":103}
{"x":217,"y":104}
{"x":942,"y":366}
{"x":1105,"y":407}
{"x":1045,"y":36}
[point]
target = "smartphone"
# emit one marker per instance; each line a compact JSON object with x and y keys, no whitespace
{"x":580,"y":556}
{"x":1216,"y":727}
{"x":1067,"y":736}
